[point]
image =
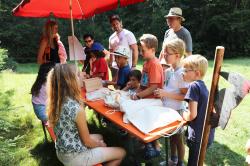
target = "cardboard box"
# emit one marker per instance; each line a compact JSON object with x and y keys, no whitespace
{"x":92,"y":84}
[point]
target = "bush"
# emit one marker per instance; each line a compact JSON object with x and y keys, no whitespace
{"x":5,"y":61}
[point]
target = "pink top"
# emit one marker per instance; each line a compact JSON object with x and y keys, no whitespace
{"x":42,"y":96}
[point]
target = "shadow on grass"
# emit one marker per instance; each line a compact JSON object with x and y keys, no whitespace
{"x":45,"y":154}
{"x":220,"y":155}
{"x":27,"y":68}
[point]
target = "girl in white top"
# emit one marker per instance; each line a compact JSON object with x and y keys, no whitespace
{"x":74,"y":144}
{"x":174,"y":91}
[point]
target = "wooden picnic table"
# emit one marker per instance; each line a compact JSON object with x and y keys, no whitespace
{"x":116,"y":118}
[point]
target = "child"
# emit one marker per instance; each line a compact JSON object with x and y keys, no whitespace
{"x":195,"y":67}
{"x":38,"y":92}
{"x":173,"y":92}
{"x":98,"y":64}
{"x":74,"y":144}
{"x":121,"y":58}
{"x":133,"y":85}
{"x":152,"y":78}
{"x":152,"y":73}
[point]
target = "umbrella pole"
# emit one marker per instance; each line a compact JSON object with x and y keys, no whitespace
{"x":72,"y":29}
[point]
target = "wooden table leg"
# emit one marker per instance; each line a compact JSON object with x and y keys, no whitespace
{"x":166,"y":149}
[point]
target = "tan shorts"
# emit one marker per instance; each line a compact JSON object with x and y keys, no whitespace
{"x":89,"y":157}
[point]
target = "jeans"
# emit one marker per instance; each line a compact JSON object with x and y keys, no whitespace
{"x":40,"y":111}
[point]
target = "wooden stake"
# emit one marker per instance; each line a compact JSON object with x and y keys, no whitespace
{"x":219,"y":54}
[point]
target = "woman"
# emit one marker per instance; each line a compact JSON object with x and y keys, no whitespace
{"x":51,"y":48}
{"x":74,"y":144}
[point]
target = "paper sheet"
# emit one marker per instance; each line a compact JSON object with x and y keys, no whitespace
{"x":78,"y":52}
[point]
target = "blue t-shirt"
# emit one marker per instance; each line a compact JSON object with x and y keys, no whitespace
{"x":198,"y":92}
{"x":123,"y":76}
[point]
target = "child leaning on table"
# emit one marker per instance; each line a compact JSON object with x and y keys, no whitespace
{"x":152,"y":72}
{"x":152,"y":78}
{"x":173,"y":93}
{"x":133,"y":86}
{"x":195,"y":67}
{"x":74,"y":144}
{"x":98,"y":64}
{"x":122,"y":55}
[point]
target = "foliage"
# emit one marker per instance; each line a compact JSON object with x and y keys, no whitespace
{"x":5,"y":62}
{"x":211,"y":23}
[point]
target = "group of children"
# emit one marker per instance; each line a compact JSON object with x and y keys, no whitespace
{"x":180,"y":82}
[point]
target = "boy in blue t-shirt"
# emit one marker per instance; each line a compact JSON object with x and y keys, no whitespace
{"x":121,"y":58}
{"x":195,"y":67}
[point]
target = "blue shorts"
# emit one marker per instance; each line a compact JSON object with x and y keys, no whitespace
{"x":40,"y":111}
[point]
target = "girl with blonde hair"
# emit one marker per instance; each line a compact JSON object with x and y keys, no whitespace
{"x":74,"y":144}
{"x":51,"y":49}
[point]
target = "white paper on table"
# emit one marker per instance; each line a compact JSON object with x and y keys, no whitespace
{"x":78,"y":49}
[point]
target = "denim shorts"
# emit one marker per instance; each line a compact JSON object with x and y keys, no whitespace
{"x":89,"y":157}
{"x":40,"y":111}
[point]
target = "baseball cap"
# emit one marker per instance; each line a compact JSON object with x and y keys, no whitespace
{"x":96,"y":47}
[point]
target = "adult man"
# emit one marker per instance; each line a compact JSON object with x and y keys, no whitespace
{"x":176,"y":30}
{"x":121,"y":37}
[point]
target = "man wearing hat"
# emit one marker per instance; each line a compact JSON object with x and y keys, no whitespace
{"x":176,"y":30}
{"x":125,"y":38}
{"x":122,"y":56}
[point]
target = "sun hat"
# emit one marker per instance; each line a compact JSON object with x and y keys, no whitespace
{"x":175,"y":12}
{"x":96,"y":47}
{"x":121,"y":51}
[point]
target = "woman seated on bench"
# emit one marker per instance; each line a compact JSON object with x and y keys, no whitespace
{"x":74,"y":144}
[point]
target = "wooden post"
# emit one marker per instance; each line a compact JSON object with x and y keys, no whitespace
{"x":219,"y":54}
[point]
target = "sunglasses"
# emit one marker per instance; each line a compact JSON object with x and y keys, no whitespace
{"x":87,"y":41}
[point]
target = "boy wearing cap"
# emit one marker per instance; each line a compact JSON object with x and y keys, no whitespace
{"x":98,"y":64}
{"x":121,"y":58}
{"x":176,"y":30}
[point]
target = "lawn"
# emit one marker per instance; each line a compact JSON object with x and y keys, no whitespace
{"x":22,"y":140}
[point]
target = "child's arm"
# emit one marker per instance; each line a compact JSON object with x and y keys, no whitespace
{"x":98,"y":75}
{"x":191,"y":113}
{"x":84,"y":131}
{"x":148,"y":91}
{"x":176,"y":96}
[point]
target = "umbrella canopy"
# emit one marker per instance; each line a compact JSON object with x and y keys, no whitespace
{"x":61,"y":8}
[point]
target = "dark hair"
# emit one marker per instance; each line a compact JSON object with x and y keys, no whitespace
{"x":114,"y":17}
{"x":41,"y":77}
{"x":98,"y":54}
{"x":136,"y":74}
{"x":88,"y":35}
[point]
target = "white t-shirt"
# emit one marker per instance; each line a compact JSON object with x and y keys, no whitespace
{"x":173,"y":83}
{"x":125,"y":38}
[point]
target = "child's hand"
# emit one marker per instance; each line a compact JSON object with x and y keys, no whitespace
{"x":159,"y":93}
{"x":128,"y":84}
{"x":214,"y":119}
{"x":102,"y":143}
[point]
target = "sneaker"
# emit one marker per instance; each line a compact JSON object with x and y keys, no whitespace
{"x":150,"y":151}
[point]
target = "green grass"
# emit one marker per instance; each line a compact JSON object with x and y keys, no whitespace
{"x":22,"y":140}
